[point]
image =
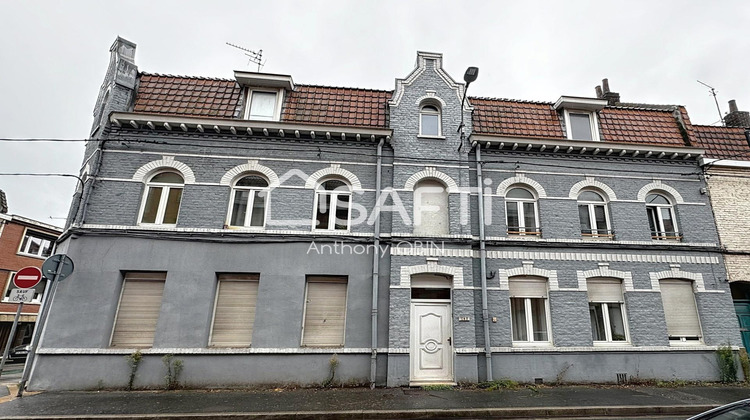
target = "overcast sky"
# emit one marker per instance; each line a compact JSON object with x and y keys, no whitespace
{"x":54,"y":56}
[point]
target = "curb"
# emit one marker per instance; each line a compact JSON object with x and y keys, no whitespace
{"x":506,"y":413}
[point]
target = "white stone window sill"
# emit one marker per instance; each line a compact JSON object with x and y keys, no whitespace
{"x":39,"y":257}
{"x":431,"y":137}
{"x":246,"y":228}
{"x":520,"y":344}
{"x":612,"y":344}
{"x":691,"y":343}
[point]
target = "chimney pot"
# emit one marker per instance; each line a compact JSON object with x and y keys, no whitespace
{"x":732,"y":106}
{"x":599,"y":92}
{"x":605,"y":85}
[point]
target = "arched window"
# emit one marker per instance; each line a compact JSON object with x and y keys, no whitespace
{"x":593,"y":215}
{"x":249,"y":198}
{"x":430,"y":208}
{"x":161,"y":202}
{"x":521,"y":212}
{"x":332,"y":205}
{"x":661,"y":218}
{"x":429,"y":121}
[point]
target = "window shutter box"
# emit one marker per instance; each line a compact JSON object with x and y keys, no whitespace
{"x":325,"y":312}
{"x":234,"y":314}
{"x":140,"y":303}
{"x":604,"y":290}
{"x":679,"y":308}
{"x":535,"y":287}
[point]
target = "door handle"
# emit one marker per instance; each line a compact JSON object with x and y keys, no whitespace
{"x":450,"y":343}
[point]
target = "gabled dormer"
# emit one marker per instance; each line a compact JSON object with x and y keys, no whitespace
{"x":263,"y":95}
{"x":579,"y":116}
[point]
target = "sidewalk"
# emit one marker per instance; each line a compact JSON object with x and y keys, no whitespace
{"x":381,"y":403}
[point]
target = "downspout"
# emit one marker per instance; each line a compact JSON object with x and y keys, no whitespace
{"x":483,"y":264}
{"x":376,"y":268}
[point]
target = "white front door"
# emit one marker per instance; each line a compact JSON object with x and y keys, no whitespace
{"x":431,"y":342}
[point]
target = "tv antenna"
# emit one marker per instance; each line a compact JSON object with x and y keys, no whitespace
{"x":254,"y":57}
{"x":713,"y":92}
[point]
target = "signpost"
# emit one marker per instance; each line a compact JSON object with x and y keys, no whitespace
{"x":55,"y":268}
{"x":25,"y":279}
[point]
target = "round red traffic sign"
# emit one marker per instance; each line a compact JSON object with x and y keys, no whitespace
{"x":27,"y":277}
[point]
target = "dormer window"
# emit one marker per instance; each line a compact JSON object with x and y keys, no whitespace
{"x":580,"y":117}
{"x":263,"y":105}
{"x":429,"y":121}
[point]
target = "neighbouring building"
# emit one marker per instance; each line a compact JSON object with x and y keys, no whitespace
{"x":23,"y":243}
{"x":257,"y":228}
{"x":727,"y":168}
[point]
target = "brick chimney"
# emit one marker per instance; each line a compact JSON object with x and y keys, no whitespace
{"x":603,"y":92}
{"x":3,"y":203}
{"x":736,"y":118}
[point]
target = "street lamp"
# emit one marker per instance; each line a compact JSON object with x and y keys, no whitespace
{"x":471,"y":75}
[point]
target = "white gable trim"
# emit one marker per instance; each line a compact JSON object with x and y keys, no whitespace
{"x":335,"y":169}
{"x":431,"y":172}
{"x":251,"y":166}
{"x":658,"y":185}
{"x":502,"y":188}
{"x":145,"y":171}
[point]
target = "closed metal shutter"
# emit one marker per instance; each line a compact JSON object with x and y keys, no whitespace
{"x":325,"y":312}
{"x":140,"y":303}
{"x":679,"y":308}
{"x":604,"y":290}
{"x":234,"y":312}
{"x":532,"y":287}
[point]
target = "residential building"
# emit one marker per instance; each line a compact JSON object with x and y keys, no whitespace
{"x":727,"y":169}
{"x":258,"y":228}
{"x":23,"y":243}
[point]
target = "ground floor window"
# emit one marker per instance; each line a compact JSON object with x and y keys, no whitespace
{"x":234,"y":310}
{"x":680,"y":310}
{"x":325,"y":311}
{"x":138,"y":310}
{"x":606,"y":309}
{"x":528,"y":306}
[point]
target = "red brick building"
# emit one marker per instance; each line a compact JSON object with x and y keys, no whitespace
{"x":23,"y":242}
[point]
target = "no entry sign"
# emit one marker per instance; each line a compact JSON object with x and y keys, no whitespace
{"x":28,"y":277}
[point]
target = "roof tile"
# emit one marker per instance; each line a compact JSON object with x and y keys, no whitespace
{"x":722,"y":142}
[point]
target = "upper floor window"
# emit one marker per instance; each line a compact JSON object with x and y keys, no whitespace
{"x":332,"y":205}
{"x":161,"y":202}
{"x":593,"y":215}
{"x":249,"y":198}
{"x":35,"y":244}
{"x":430,"y":208}
{"x":581,"y":125}
{"x":263,"y":105}
{"x":429,"y":121}
{"x":521,"y":212}
{"x":661,"y":218}
{"x":606,"y":309}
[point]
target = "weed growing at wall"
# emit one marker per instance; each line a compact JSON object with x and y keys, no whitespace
{"x":134,"y":360}
{"x":174,"y":368}
{"x":333,"y":363}
{"x":727,"y":364}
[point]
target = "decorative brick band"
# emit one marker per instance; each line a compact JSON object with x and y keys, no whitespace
{"x":432,"y":267}
{"x":527,"y":269}
{"x":676,"y":273}
{"x":145,"y":171}
{"x":503,"y":187}
{"x":605,"y":271}
{"x":312,"y":180}
{"x":430,"y":172}
{"x":251,"y":166}
{"x":590,"y":182}
{"x":658,"y":185}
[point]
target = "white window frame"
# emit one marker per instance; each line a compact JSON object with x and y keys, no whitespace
{"x":593,"y":123}
{"x":438,"y":113}
{"x":119,"y":303}
{"x":660,"y":220}
{"x":277,"y":107}
{"x":592,"y":215}
{"x":683,"y":340}
{"x":250,"y":203}
{"x":9,"y":285}
{"x":39,"y":235}
{"x":334,"y":279}
{"x":530,"y":323}
{"x":418,"y":211}
{"x":166,"y":187}
{"x":334,"y":199}
{"x":521,"y":214}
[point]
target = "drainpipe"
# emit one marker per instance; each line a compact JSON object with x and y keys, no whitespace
{"x":376,"y":268}
{"x":483,"y":264}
